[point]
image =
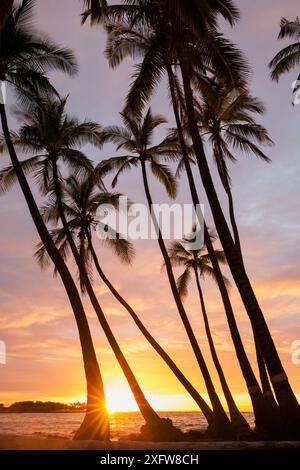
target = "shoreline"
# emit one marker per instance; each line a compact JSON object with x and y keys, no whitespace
{"x":14,"y":442}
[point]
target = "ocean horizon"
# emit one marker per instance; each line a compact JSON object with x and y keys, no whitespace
{"x":64,"y":425}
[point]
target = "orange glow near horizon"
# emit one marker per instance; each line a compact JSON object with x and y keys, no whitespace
{"x":120,"y":400}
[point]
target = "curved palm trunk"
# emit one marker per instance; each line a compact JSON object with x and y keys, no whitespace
{"x":264,"y":379}
{"x":270,"y":401}
{"x":289,"y":407}
{"x":268,"y":395}
{"x":166,"y":358}
{"x":236,"y":417}
{"x":236,"y":234}
{"x":266,"y":386}
{"x":223,"y":425}
{"x":96,"y":422}
{"x":146,"y":410}
{"x":262,"y":417}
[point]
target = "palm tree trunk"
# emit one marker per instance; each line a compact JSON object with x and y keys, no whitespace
{"x":166,"y":358}
{"x":223,"y":425}
{"x":5,"y":11}
{"x":264,"y":379}
{"x":289,"y":407}
{"x":266,"y":386}
{"x":146,"y":410}
{"x":236,"y":234}
{"x":237,"y":418}
{"x":268,"y":395}
{"x":263,"y":421}
{"x":96,"y":422}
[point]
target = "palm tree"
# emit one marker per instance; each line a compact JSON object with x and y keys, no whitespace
{"x":289,"y":407}
{"x":153,"y":44}
{"x":225,"y":118}
{"x":197,"y":263}
{"x":94,"y":9}
{"x":25,"y":57}
{"x":226,"y":121}
{"x":226,"y":61}
{"x":195,"y":49}
{"x":58,"y":137}
{"x":289,"y":57}
{"x":136,"y":137}
{"x":82,"y":199}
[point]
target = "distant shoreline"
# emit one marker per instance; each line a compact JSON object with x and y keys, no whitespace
{"x":83,"y":411}
{"x":7,"y":412}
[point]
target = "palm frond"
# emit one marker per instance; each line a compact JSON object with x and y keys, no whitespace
{"x":120,"y":136}
{"x":208,"y":271}
{"x":243,"y":144}
{"x":122,"y":42}
{"x":8,"y":177}
{"x":183,"y":283}
{"x":148,"y":75}
{"x":165,"y":176}
{"x":289,"y":29}
{"x":123,"y":249}
{"x":120,"y":164}
{"x":285,"y":61}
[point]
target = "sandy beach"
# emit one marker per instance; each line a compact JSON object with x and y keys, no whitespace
{"x":9,"y":442}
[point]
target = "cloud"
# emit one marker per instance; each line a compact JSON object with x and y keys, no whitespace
{"x":36,"y":320}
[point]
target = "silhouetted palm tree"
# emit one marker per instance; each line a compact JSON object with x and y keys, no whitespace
{"x":94,"y":9}
{"x":177,"y":35}
{"x":197,"y":263}
{"x":153,"y":45}
{"x":136,"y":137}
{"x":25,"y":57}
{"x":226,"y":120}
{"x":289,"y":57}
{"x":82,"y":199}
{"x":194,"y":49}
{"x":51,"y":132}
{"x":290,"y":410}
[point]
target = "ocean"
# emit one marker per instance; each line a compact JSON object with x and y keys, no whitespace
{"x":63,"y":425}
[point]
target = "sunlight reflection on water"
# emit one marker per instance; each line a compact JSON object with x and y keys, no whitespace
{"x":63,"y":425}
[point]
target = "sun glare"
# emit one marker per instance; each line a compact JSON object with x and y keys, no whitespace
{"x":119,"y":399}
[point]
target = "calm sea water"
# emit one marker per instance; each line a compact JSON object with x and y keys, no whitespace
{"x":65,"y":424}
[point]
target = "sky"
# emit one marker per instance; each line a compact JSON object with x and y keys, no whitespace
{"x":36,"y":322}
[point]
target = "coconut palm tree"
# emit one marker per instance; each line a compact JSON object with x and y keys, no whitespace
{"x":286,"y":398}
{"x":94,"y":9}
{"x":136,"y":138}
{"x":154,"y":47}
{"x":82,"y":198}
{"x":197,"y":263}
{"x":25,"y":57}
{"x":289,"y":57}
{"x":58,"y":137}
{"x":226,"y":120}
{"x":227,"y":62}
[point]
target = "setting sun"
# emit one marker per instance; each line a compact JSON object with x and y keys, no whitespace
{"x":149,"y":290}
{"x":120,"y":399}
